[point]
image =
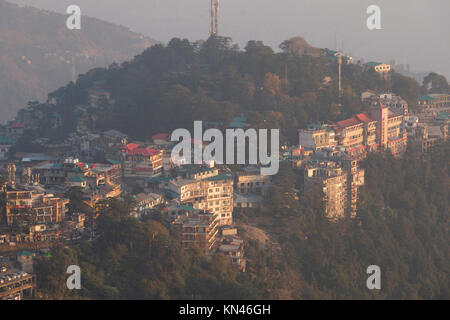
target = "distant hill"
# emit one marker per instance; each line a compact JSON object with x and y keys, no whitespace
{"x":169,"y":87}
{"x":38,"y":53}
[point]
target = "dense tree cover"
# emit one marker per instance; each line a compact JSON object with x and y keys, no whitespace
{"x":168,"y":87}
{"x":402,"y":226}
{"x":135,"y":259}
{"x":435,"y":83}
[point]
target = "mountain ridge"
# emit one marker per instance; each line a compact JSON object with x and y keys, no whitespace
{"x":38,"y":53}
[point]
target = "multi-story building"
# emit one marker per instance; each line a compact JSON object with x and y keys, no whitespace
{"x":382,"y":69}
{"x":355,"y":180}
{"x":141,"y":162}
{"x":437,"y":102}
{"x":198,"y":230}
{"x":206,"y":189}
{"x":332,"y":180}
{"x":144,"y":202}
{"x":251,"y":182}
{"x":317,"y":137}
{"x":58,"y":173}
{"x":232,"y":245}
{"x":380,"y":128}
{"x":390,"y":133}
{"x":394,"y":102}
{"x":45,"y":208}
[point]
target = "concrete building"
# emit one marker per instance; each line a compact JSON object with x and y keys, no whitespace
{"x":390,"y":133}
{"x":232,"y":246}
{"x":394,"y":102}
{"x":357,"y":135}
{"x":382,"y":69}
{"x":206,"y":189}
{"x":332,"y":180}
{"x":141,"y":162}
{"x":437,"y":102}
{"x":317,"y":137}
{"x":379,"y":129}
{"x":45,"y":208}
{"x":250,"y":181}
{"x":198,"y":229}
{"x":145,"y":202}
{"x":355,"y":180}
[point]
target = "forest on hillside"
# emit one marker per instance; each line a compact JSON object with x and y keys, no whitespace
{"x":402,"y":226}
{"x":169,"y":86}
{"x":402,"y":222}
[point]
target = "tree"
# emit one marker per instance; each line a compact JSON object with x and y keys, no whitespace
{"x":435,"y":83}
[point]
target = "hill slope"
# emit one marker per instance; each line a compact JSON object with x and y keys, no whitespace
{"x":168,"y":87}
{"x":38,"y":53}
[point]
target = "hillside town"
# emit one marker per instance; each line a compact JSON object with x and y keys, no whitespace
{"x":90,"y":167}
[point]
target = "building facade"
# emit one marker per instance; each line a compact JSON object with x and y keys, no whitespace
{"x":332,"y":180}
{"x":206,"y":189}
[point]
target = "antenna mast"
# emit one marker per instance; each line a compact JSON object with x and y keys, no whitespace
{"x":214,"y":29}
{"x":339,"y":56}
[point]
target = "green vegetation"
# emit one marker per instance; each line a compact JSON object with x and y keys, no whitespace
{"x":140,"y":260}
{"x":168,"y":87}
{"x":402,"y":221}
{"x":402,"y":226}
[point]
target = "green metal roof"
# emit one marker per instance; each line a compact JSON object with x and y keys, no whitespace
{"x":187,"y":208}
{"x":222,"y":176}
{"x":113,"y":161}
{"x":372,"y":64}
{"x":25,"y":253}
{"x":426,"y":97}
{"x":443,"y":116}
{"x":6,"y":140}
{"x":77,"y":179}
{"x":158,"y":179}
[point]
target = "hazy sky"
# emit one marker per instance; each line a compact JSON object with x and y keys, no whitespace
{"x":414,"y":32}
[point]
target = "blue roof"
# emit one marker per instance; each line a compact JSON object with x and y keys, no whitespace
{"x":239,"y":122}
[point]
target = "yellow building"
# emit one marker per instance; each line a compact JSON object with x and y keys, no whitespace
{"x":206,"y":189}
{"x":317,"y":137}
{"x":198,"y":230}
{"x":332,"y":180}
{"x":381,"y":68}
{"x":44,"y":208}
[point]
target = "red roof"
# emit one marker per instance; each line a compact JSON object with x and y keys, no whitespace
{"x":17,"y":125}
{"x":143,"y":152}
{"x":364,"y":117}
{"x":130,"y":147}
{"x":348,"y":122}
{"x":161,"y":136}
